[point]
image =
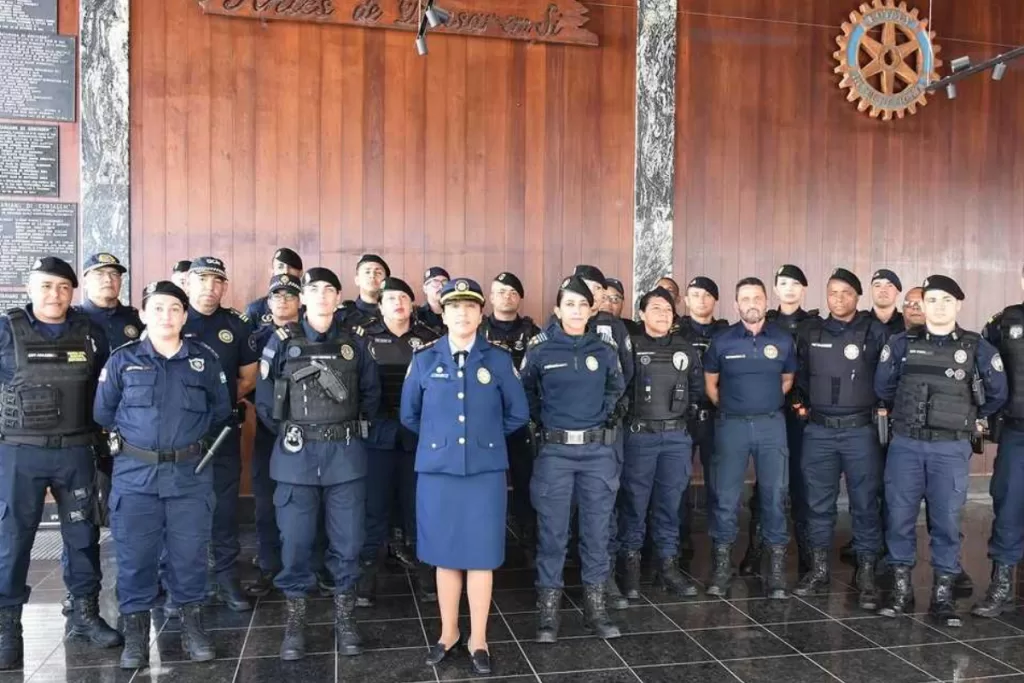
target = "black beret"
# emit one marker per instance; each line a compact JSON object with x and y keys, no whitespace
{"x":791,"y":271}
{"x":103,"y":260}
{"x":576,"y":285}
{"x":615,"y":284}
{"x":327,"y":275}
{"x":394,"y":284}
{"x":373,"y":258}
{"x":844,"y":275}
{"x":435,"y":271}
{"x":286,"y":282}
{"x":288,"y":257}
{"x":51,"y":265}
{"x":512,"y":281}
{"x":592,"y":273}
{"x":164,"y":287}
{"x":705,"y":283}
{"x":886,"y":274}
{"x":657,"y":292}
{"x":181,"y":267}
{"x":209,"y":264}
{"x":943,"y":284}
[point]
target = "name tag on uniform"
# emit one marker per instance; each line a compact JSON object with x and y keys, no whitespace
{"x":553,"y":366}
{"x":736,"y":356}
{"x":136,"y":368}
{"x":820,"y":345}
{"x":439,"y":374}
{"x":922,"y":352}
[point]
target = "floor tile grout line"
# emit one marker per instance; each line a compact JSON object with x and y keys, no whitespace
{"x":245,"y":641}
{"x":968,"y":645}
{"x":515,"y":639}
{"x":695,"y":641}
{"x":419,"y":617}
{"x":623,"y":659}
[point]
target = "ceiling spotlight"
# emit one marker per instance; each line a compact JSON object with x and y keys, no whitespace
{"x":960,"y":63}
{"x":998,"y":71}
{"x":951,"y":91}
{"x":421,"y":46}
{"x":437,"y":16}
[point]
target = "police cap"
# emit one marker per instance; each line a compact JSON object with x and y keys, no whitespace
{"x":576,"y":285}
{"x":288,"y":257}
{"x":51,"y":265}
{"x":435,"y":271}
{"x":793,"y":272}
{"x":286,"y":283}
{"x":373,"y":258}
{"x":657,"y":293}
{"x":592,"y":273}
{"x":943,"y":284}
{"x":462,"y":289}
{"x":615,"y":284}
{"x":164,"y":287}
{"x":844,"y":275}
{"x":394,"y":284}
{"x":886,"y":274}
{"x":314,"y":275}
{"x":103,"y":260}
{"x":705,"y":283}
{"x":181,"y":267}
{"x":512,"y":281}
{"x":210,"y":265}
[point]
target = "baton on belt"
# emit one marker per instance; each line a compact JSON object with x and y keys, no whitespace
{"x":213,"y":449}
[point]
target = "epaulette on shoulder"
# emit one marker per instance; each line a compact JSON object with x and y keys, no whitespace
{"x":206,"y":346}
{"x":133,"y":342}
{"x":538,"y":338}
{"x":244,"y":318}
{"x":814,"y":313}
{"x":283,"y":333}
{"x":426,"y":345}
{"x":359,"y":331}
{"x":498,"y":345}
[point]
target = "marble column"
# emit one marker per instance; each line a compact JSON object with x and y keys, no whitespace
{"x":104,"y":129}
{"x":654,"y":187}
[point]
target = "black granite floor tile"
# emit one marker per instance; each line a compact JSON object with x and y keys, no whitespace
{"x":838,"y":605}
{"x":399,"y":633}
{"x":870,"y":666}
{"x":497,"y":632}
{"x":57,"y":674}
{"x":266,"y":642}
{"x":663,"y":597}
{"x":220,"y":617}
{"x":772,"y":670}
{"x":951,"y":660}
{"x":705,"y":615}
{"x":741,"y":643}
{"x":609,"y":676}
{"x":521,"y":600}
{"x":524,"y":624}
{"x":820,"y":636}
{"x":222,"y":671}
{"x":973,"y":628}
{"x":516,"y":579}
{"x":1009,"y":651}
{"x":401,"y":607}
{"x":641,"y":619}
{"x":1014,"y":619}
{"x":894,"y":632}
{"x":659,"y":648}
{"x":765,"y":611}
{"x":78,"y":652}
{"x":705,"y":672}
{"x":506,"y":660}
{"x":318,"y":611}
{"x":273,"y":670}
{"x":227,"y":644}
{"x":574,"y":654}
{"x":1016,"y":678}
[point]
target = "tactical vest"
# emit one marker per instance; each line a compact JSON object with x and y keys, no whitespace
{"x":308,"y":402}
{"x":513,"y":340}
{"x":49,"y":394}
{"x":393,"y":360}
{"x":1011,"y":349}
{"x":792,"y":322}
{"x":661,"y":390}
{"x":935,"y":389}
{"x":842,"y":376}
{"x":688,"y":328}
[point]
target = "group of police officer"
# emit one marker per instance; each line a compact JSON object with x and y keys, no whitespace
{"x":618,"y":408}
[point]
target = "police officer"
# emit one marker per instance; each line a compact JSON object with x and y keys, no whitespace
{"x":885,"y":288}
{"x":913,"y":307}
{"x":748,"y":371}
{"x":573,"y":381}
{"x":667,"y":387}
{"x":371,"y":270}
{"x":102,"y":278}
{"x":50,"y":358}
{"x":285,"y":262}
{"x":391,"y":448}
{"x":614,"y":299}
{"x":672,"y":286}
{"x":1005,"y":331}
{"x":835,"y":381}
{"x":159,"y":397}
{"x":434,"y":280}
{"x":940,"y":379}
{"x":319,"y":386}
{"x":506,"y":328}
{"x":230,"y":334}
{"x":282,"y":302}
{"x":179,"y":274}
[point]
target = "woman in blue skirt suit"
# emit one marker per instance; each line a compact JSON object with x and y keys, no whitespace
{"x":463,"y":397}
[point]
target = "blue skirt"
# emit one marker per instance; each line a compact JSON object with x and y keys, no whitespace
{"x":460,"y":521}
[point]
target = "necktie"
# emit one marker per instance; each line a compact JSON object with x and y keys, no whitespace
{"x":460,"y":358}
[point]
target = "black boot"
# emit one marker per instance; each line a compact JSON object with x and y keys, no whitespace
{"x":366,"y":589}
{"x":817,"y":577}
{"x":548,"y":600}
{"x":963,"y":585}
{"x":86,"y":621}
{"x":616,"y":600}
{"x":595,"y":615}
{"x":349,"y":642}
{"x":901,"y":599}
{"x":12,"y":647}
{"x":999,"y":597}
{"x":230,"y":592}
{"x":631,"y":577}
{"x":721,"y":571}
{"x":775,"y":582}
{"x":325,"y":583}
{"x":751,"y":564}
{"x":194,"y":639}
{"x":67,"y":605}
{"x":868,"y":593}
{"x":673,"y":579}
{"x":293,"y":645}
{"x":399,"y":551}
{"x":261,"y":587}
{"x":426,"y":582}
{"x":135,"y":654}
{"x":943,"y":607}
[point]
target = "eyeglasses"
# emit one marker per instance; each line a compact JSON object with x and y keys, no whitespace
{"x":613,"y":298}
{"x":281,"y":297}
{"x":913,"y":306}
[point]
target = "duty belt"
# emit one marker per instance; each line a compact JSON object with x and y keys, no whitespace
{"x":571,"y":437}
{"x":341,"y":431}
{"x":922,"y":434}
{"x":841,"y":422}
{"x":52,"y":441}
{"x":756,"y":416}
{"x":656,"y":426}
{"x":190,"y":452}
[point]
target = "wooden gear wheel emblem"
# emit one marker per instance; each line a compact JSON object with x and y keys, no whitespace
{"x":887,"y":58}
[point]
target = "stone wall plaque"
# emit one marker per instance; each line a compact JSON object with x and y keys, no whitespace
{"x":29,"y":164}
{"x":37,"y":79}
{"x":37,"y":16}
{"x":14,"y":298}
{"x":31,"y":230}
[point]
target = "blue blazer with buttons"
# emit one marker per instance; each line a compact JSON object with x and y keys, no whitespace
{"x":462,"y":417}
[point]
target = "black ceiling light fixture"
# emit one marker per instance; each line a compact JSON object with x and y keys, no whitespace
{"x":430,"y":17}
{"x":961,"y":68}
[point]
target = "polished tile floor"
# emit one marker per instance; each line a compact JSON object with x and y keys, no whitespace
{"x":666,"y":639}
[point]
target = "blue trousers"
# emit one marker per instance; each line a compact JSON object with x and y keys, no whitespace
{"x":520,"y":469}
{"x":1006,"y":545}
{"x":269,"y":550}
{"x":938,"y":472}
{"x":344,"y":509}
{"x":655,"y":474}
{"x":736,"y":440}
{"x":590,"y":471}
{"x":25,"y":474}
{"x":227,"y":473}
{"x":388,"y":471}
{"x":855,"y":452}
{"x":797,"y":489}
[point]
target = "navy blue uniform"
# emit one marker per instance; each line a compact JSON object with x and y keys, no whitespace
{"x":895,"y":325}
{"x":836,"y":381}
{"x":51,"y":446}
{"x":573,"y":385}
{"x":258,"y":312}
{"x":319,"y":460}
{"x":269,"y":540}
{"x":120,"y":323}
{"x":230,"y":335}
{"x":928,"y":380}
{"x":425,"y":314}
{"x":750,"y":423}
{"x":462,"y":409}
{"x":161,"y":408}
{"x":357,"y":313}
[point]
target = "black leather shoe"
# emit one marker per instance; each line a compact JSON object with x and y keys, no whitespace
{"x":480,"y":662}
{"x":438,"y":652}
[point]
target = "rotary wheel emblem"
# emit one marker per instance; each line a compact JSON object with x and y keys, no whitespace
{"x":887,"y":58}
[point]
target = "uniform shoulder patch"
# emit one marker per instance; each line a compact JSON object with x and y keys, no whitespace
{"x":359,"y":331}
{"x":242,"y":316}
{"x":282,"y":333}
{"x":538,"y":338}
{"x":426,"y":345}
